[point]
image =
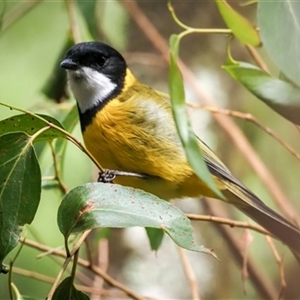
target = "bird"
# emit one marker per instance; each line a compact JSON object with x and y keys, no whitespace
{"x":127,"y":126}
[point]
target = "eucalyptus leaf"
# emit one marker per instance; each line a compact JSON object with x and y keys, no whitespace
{"x":20,"y":188}
{"x":96,"y":205}
{"x":155,"y":237}
{"x":239,"y":25}
{"x":87,"y":9}
{"x":279,"y":29}
{"x":184,"y":128}
{"x":55,"y":86}
{"x":30,"y":125}
{"x":282,"y":96}
{"x":113,"y":23}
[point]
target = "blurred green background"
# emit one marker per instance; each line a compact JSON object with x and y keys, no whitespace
{"x":30,"y":49}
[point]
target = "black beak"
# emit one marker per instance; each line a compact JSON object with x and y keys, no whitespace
{"x":69,"y":64}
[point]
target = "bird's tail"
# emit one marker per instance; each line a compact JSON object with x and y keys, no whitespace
{"x":278,"y":226}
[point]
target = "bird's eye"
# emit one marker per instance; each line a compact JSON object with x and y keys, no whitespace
{"x":100,"y":60}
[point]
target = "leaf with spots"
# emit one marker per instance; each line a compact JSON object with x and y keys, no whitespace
{"x":31,"y":124}
{"x":110,"y":205}
{"x":20,"y":188}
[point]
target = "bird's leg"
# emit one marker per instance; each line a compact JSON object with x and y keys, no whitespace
{"x":109,"y":175}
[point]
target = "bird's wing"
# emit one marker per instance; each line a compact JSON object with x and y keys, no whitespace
{"x":241,"y":197}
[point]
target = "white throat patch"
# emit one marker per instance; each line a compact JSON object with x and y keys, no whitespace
{"x":89,"y":87}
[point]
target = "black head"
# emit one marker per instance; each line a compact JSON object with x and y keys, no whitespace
{"x":96,"y":74}
{"x":97,"y":56}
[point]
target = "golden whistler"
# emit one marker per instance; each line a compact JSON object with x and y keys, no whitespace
{"x":127,"y":126}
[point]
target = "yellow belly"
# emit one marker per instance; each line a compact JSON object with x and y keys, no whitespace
{"x":168,"y":179}
{"x":139,"y":135}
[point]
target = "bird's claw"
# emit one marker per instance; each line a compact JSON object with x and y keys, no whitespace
{"x":107,"y":176}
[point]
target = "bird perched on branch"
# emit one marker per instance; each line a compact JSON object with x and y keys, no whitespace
{"x":127,"y":126}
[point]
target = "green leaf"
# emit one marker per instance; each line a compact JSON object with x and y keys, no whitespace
{"x":280,"y":30}
{"x":69,"y":123}
{"x":67,"y":291}
{"x":110,"y":205}
{"x":184,"y":129}
{"x":281,"y":96}
{"x":113,"y":23}
{"x":87,"y":9}
{"x":2,"y":13}
{"x":240,"y":26}
{"x":155,"y":237}
{"x":20,"y":188}
{"x":174,"y":45}
{"x":101,"y":233}
{"x":17,"y":295}
{"x":30,"y":125}
{"x":55,"y":87}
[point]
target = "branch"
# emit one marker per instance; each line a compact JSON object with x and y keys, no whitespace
{"x":15,"y":14}
{"x":84,"y":263}
{"x":191,"y":277}
{"x":102,"y":260}
{"x":279,"y":261}
{"x":229,"y":222}
{"x":261,"y":283}
{"x":66,"y":262}
{"x":250,"y":118}
{"x":256,"y":57}
{"x":83,"y":288}
{"x":72,"y":20}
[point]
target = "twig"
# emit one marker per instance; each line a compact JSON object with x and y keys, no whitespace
{"x":10,"y":283}
{"x":262,"y":284}
{"x":68,"y":136}
{"x":191,"y":277}
{"x":72,"y":19}
{"x":188,"y":30}
{"x":51,"y":280}
{"x":229,"y":222}
{"x":74,"y":266}
{"x":34,"y":275}
{"x":66,"y":262}
{"x":244,"y":245}
{"x":279,"y":261}
{"x":86,"y":264}
{"x":256,"y":57}
{"x":49,"y":252}
{"x":145,"y":58}
{"x":250,"y":118}
{"x":226,"y":123}
{"x":61,"y":185}
{"x":103,"y":260}
{"x":17,"y":13}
